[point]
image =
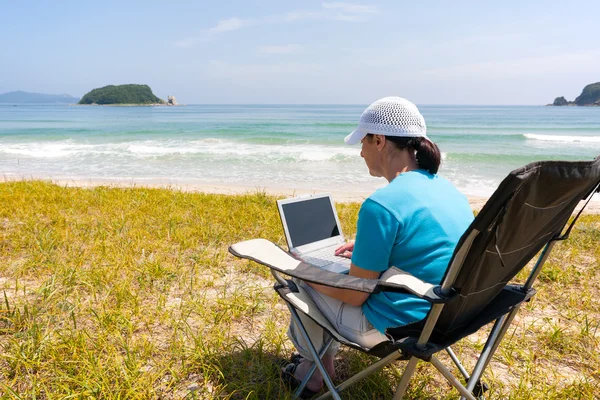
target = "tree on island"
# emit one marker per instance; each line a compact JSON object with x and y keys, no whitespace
{"x":590,"y":96}
{"x":121,"y":94}
{"x":560,"y":101}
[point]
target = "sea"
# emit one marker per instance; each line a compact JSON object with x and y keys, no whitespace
{"x":276,"y":146}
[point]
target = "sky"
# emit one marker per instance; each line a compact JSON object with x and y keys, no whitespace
{"x":305,"y":52}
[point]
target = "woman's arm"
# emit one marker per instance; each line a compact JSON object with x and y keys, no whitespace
{"x":376,"y":231}
{"x":349,"y":296}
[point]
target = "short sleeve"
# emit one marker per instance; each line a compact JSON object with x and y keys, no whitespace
{"x":376,"y":232}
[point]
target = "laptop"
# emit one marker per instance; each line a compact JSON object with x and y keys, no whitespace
{"x":312,"y":230}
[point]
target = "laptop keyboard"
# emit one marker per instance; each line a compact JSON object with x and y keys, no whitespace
{"x":324,"y":257}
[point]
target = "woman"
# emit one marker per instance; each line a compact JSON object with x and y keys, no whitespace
{"x":413,"y":223}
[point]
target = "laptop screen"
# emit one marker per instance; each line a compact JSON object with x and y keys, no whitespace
{"x":310,"y":220}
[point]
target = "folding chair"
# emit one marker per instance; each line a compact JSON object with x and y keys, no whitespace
{"x":527,"y":213}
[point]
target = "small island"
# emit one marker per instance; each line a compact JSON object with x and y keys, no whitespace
{"x":124,"y":95}
{"x":590,"y":96}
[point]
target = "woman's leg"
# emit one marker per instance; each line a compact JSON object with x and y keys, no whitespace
{"x":352,"y":324}
{"x":329,"y":307}
{"x":318,"y":337}
{"x":347,"y":319}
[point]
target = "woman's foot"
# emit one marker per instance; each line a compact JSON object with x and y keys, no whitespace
{"x":315,"y":382}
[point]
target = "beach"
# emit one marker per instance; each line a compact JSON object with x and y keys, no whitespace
{"x":130,"y":290}
{"x":476,"y":202}
{"x":141,"y":141}
{"x":116,"y":221}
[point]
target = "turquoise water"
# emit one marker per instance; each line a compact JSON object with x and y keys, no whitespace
{"x":276,"y":145}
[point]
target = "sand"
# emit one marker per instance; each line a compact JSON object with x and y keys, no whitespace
{"x":476,"y":202}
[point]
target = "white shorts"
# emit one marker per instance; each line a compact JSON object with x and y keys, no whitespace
{"x":348,"y":320}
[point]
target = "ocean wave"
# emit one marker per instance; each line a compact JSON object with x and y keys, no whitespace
{"x":149,"y":150}
{"x":213,"y":148}
{"x":508,"y":130}
{"x":45,"y":150}
{"x":586,"y":135}
{"x":566,"y":139}
{"x":233,"y":149}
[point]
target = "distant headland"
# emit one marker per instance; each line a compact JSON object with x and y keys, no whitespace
{"x":125,"y":95}
{"x":21,"y":97}
{"x":590,"y":96}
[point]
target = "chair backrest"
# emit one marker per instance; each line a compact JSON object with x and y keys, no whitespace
{"x":530,"y":208}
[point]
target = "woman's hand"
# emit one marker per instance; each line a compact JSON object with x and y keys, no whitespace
{"x":345,"y":250}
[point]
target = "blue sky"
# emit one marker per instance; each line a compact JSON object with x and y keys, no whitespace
{"x":431,"y":52}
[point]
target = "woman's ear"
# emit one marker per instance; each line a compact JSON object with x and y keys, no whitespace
{"x":379,"y":141}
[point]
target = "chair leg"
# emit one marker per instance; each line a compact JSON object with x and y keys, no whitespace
{"x":479,"y":388}
{"x":313,"y":367}
{"x":491,"y":345}
{"x":371,"y":369}
{"x":408,"y":373}
{"x":456,"y":361}
{"x":315,"y":355}
{"x":451,"y":378}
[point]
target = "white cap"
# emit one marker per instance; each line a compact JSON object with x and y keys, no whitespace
{"x":390,"y":116}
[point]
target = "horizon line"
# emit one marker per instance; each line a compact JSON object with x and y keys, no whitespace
{"x":315,"y":104}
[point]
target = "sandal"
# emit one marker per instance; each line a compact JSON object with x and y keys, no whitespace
{"x":296,"y":358}
{"x":287,"y":375}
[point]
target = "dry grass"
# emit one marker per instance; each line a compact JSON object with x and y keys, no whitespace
{"x":130,"y":293}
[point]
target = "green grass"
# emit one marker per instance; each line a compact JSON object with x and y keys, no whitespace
{"x":130,"y":293}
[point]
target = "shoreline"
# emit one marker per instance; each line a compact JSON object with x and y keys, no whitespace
{"x":476,"y":202}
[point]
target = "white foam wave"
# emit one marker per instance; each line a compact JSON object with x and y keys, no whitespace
{"x":210,"y":147}
{"x":216,"y":147}
{"x":567,"y":139}
{"x":158,"y":150}
{"x":45,"y":150}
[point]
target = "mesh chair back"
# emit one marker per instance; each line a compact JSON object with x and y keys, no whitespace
{"x":529,"y":208}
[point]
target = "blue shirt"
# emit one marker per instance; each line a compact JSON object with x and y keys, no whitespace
{"x":414,"y":224}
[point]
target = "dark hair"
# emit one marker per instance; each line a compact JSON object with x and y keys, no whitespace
{"x":427,"y":153}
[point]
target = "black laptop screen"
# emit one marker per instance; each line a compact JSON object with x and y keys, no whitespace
{"x":310,"y":220}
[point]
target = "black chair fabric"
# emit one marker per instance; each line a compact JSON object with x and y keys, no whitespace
{"x":529,"y":209}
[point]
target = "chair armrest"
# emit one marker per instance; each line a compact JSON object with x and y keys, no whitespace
{"x":396,"y":280}
{"x":269,"y":254}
